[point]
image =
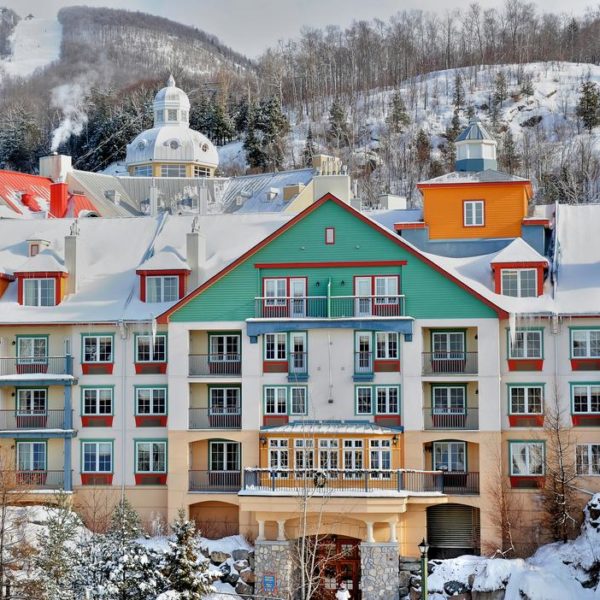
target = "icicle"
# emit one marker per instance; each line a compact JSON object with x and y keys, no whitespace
{"x":154,"y":330}
{"x":512,"y":327}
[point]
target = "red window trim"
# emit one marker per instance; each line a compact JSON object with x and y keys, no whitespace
{"x":96,"y":478}
{"x":325,"y":265}
{"x":97,"y":420}
{"x":525,"y":364}
{"x":526,"y":420}
{"x":332,"y":229}
{"x":279,"y":311}
{"x":530,"y":481}
{"x":97,"y":368}
{"x":56,"y":275}
{"x":180,"y":273}
{"x":154,"y":478}
{"x":151,"y":368}
{"x":386,"y":365}
{"x":151,"y":420}
{"x":275,"y":420}
{"x":585,"y":419}
{"x":539,"y":266}
{"x":585,"y":364}
{"x":373,"y":277}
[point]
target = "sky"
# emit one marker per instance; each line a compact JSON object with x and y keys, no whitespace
{"x":250,"y":26}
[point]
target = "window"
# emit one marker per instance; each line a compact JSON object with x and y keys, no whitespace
{"x":449,"y":400}
{"x":97,"y":457}
{"x":521,"y":283}
{"x":275,"y":346}
{"x":201,"y":171}
{"x":225,"y":401}
{"x":304,"y":454}
{"x":526,"y":458}
{"x":473,"y":213}
{"x":225,"y":348}
{"x":172,"y":114}
{"x":386,"y":290}
{"x":148,"y":349}
{"x":278,"y":454}
{"x":330,"y":236}
{"x":160,"y":116}
{"x":162,"y":289}
{"x":172,"y":171}
{"x":353,"y":457}
{"x":151,"y":401}
{"x":387,"y":345}
{"x":381,"y":456}
{"x":364,"y":400}
{"x":586,"y":398}
{"x":151,"y":457}
{"x":97,"y":401}
{"x":526,"y":400}
{"x":328,"y":454}
{"x":97,"y":349}
{"x":298,"y":363}
{"x":587,"y":459}
{"x":32,"y":350}
{"x":585,"y":343}
{"x":275,"y":292}
{"x":224,"y":456}
{"x":526,"y":344}
{"x":448,"y":345}
{"x":39,"y":292}
{"x":31,"y":456}
{"x":450,"y":456}
{"x":387,"y":400}
{"x":275,"y":401}
{"x":143,"y":171}
{"x":32,"y":402}
{"x":298,"y":401}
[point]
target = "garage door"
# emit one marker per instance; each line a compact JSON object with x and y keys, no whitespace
{"x":452,"y":530}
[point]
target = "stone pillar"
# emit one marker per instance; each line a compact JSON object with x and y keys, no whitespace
{"x":379,"y":574}
{"x":281,"y":531}
{"x":261,"y":531}
{"x":273,"y":564}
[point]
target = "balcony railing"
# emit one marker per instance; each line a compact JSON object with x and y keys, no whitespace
{"x":452,"y":419}
{"x":449,"y":363}
{"x":328,"y":307}
{"x":341,"y":481}
{"x":214,"y":481}
{"x":298,"y":363}
{"x":49,"y":365}
{"x":363,"y":363}
{"x":204,"y":418}
{"x":215,"y":365}
{"x":39,"y":419}
{"x":38,"y":480}
{"x":458,"y":484}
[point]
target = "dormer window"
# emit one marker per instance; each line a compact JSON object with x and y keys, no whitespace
{"x":520,"y":283}
{"x":39,"y":292}
{"x":474,"y":214}
{"x":162,"y":289}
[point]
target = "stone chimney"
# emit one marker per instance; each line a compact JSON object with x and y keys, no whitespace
{"x":196,"y":255}
{"x":55,"y":167}
{"x":72,"y":258}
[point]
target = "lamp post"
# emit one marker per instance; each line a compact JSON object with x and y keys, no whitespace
{"x":424,"y":548}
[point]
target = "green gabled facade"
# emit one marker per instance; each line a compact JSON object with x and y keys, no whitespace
{"x":429,"y":292}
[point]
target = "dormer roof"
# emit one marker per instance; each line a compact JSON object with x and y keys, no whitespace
{"x":474,"y":131}
{"x":47,"y":261}
{"x":166,"y":259}
{"x":519,"y":251}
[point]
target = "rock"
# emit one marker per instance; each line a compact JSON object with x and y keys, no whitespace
{"x":240,"y":554}
{"x":204,"y":551}
{"x":403,"y":591}
{"x":240,"y":565}
{"x":404,"y":578}
{"x":455,"y":588}
{"x":251,"y":560}
{"x":217,"y":557}
{"x":225,"y":570}
{"x":415,"y":595}
{"x":232,"y":578}
{"x":248,"y":576}
{"x":243,"y":589}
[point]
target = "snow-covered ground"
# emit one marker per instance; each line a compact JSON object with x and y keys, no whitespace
{"x":35,"y":44}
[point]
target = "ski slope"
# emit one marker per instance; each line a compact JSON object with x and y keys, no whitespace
{"x":35,"y":44}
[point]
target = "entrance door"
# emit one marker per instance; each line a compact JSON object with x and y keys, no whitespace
{"x":298,"y":294}
{"x":364,"y":352}
{"x":338,"y":561}
{"x":362,"y":293}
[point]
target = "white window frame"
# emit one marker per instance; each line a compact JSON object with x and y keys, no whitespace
{"x":387,"y":339}
{"x":278,"y":389}
{"x":230,"y":449}
{"x":304,"y":392}
{"x":526,"y":399}
{"x":97,"y":339}
{"x":526,"y":333}
{"x":37,"y":292}
{"x":28,"y":395}
{"x":528,"y":457}
{"x":329,"y":453}
{"x":304,"y":454}
{"x":279,"y":455}
{"x":519,"y":274}
{"x":96,"y":445}
{"x":201,"y":171}
{"x":452,"y":455}
{"x":387,"y":389}
{"x":97,"y":393}
{"x":442,"y":345}
{"x":471,"y":220}
{"x":586,"y":342}
{"x":229,"y":393}
{"x":31,"y":466}
{"x":276,"y":340}
{"x":35,"y":357}
{"x":142,"y":170}
{"x":391,"y":289}
{"x":590,"y":462}
{"x":153,"y":341}
{"x":172,"y":170}
{"x":588,"y":387}
{"x":449,"y":409}
{"x":223,"y":340}
{"x":151,"y":444}
{"x":160,"y":280}
{"x":364,"y":388}
{"x":151,"y":391}
{"x":272,"y":291}
{"x":353,"y":456}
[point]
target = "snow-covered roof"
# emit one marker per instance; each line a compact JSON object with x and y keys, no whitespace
{"x":47,"y":261}
{"x":315,"y":427}
{"x":519,"y":251}
{"x":165,"y":259}
{"x":487,"y":176}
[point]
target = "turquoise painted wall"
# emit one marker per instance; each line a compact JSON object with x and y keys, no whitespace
{"x":428,"y":293}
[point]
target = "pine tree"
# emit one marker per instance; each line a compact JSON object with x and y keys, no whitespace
{"x":588,"y":107}
{"x":470,"y":112}
{"x":309,"y":148}
{"x":125,"y":524}
{"x":527,"y":86}
{"x":240,"y":118}
{"x":21,"y":140}
{"x":423,"y":147}
{"x":500,"y":89}
{"x":510,"y":159}
{"x":338,"y":133}
{"x":184,"y":569}
{"x":223,"y":128}
{"x":398,"y":118}
{"x":458,"y":98}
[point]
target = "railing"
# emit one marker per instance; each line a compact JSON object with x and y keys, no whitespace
{"x":459,"y":419}
{"x":50,"y":365}
{"x":38,"y":480}
{"x":214,"y":481}
{"x":363,"y":362}
{"x":328,"y":307}
{"x":341,"y":481}
{"x":35,"y":419}
{"x":458,"y":484}
{"x":298,"y":363}
{"x":214,"y":365}
{"x":204,"y":418}
{"x":449,"y":363}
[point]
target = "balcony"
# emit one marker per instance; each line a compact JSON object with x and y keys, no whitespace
{"x":363,"y":366}
{"x":46,"y":419}
{"x":460,"y":484}
{"x":215,"y":365}
{"x":449,"y":363}
{"x":37,"y":367}
{"x":205,"y":418}
{"x":38,"y":480}
{"x":459,"y":419}
{"x":215,"y":481}
{"x":298,"y":366}
{"x":329,"y":307}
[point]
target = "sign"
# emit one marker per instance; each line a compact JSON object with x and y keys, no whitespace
{"x":269,"y":583}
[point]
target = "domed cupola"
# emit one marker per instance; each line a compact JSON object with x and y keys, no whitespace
{"x":171,"y":106}
{"x":475,"y":149}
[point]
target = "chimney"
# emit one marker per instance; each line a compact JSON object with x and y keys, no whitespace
{"x":55,"y":167}
{"x":72,"y":258}
{"x":196,"y":255}
{"x":59,"y":195}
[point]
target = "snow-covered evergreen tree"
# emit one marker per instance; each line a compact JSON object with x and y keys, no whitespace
{"x":338,"y":133}
{"x":309,"y":148}
{"x":398,"y":118}
{"x":588,"y":107}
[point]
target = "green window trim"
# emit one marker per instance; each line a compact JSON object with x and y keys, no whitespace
{"x":530,"y":441}
{"x":219,"y":333}
{"x":580,"y":328}
{"x":137,"y":441}
{"x":137,"y":336}
{"x":96,"y":387}
{"x":223,"y":386}
{"x":463,"y":386}
{"x":151,"y":387}
{"x":374,"y":388}
{"x":224,"y":441}
{"x":31,"y":441}
{"x":450,"y":441}
{"x":83,"y":441}
{"x":288,"y":400}
{"x":18,"y":390}
{"x":462,"y":330}
{"x":510,"y":386}
{"x":519,"y":330}
{"x":572,"y":386}
{"x":97,"y":335}
{"x":373,"y":333}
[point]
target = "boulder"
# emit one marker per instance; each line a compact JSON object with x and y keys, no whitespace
{"x":232,"y":578}
{"x":404,"y":578}
{"x":225,"y":571}
{"x":251,"y":559}
{"x":248,"y":576}
{"x":240,"y":565}
{"x":217,"y":557}
{"x":240,"y":554}
{"x":243,"y":589}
